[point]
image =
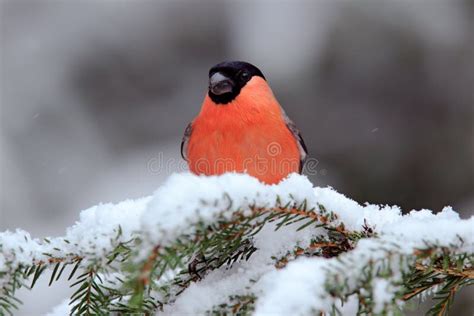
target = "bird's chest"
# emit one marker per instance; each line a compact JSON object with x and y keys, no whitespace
{"x":231,"y":141}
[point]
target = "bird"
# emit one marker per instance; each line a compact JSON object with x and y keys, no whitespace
{"x":242,"y":128}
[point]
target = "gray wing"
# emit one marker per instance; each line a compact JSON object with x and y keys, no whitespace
{"x":185,"y":141}
{"x":299,"y":139}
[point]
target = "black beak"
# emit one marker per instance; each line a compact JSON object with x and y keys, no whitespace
{"x":220,"y":84}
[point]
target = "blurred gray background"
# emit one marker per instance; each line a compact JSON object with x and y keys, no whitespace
{"x":95,"y":93}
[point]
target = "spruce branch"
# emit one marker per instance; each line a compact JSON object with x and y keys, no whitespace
{"x":241,"y":305}
{"x":148,"y":268}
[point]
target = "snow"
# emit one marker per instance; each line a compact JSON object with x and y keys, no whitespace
{"x":218,"y":285}
{"x":350,"y":211}
{"x":94,"y":235}
{"x":289,"y":292}
{"x":299,"y":288}
{"x":286,"y":291}
{"x":383,"y":294}
{"x":17,"y":248}
{"x":186,"y":198}
{"x":96,"y":231}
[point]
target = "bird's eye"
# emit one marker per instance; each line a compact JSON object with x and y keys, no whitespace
{"x":244,"y":76}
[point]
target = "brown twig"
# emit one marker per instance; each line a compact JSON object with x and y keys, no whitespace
{"x":467,"y":273}
{"x":417,"y":291}
{"x":148,"y":266}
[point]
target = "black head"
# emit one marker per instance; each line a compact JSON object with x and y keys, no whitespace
{"x":228,"y":78}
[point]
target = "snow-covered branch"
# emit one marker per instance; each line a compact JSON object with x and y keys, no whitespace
{"x":232,"y":244}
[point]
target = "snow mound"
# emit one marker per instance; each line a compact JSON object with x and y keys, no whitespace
{"x":299,"y":288}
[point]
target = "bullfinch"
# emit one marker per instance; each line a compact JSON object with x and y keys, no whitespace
{"x":242,"y":128}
